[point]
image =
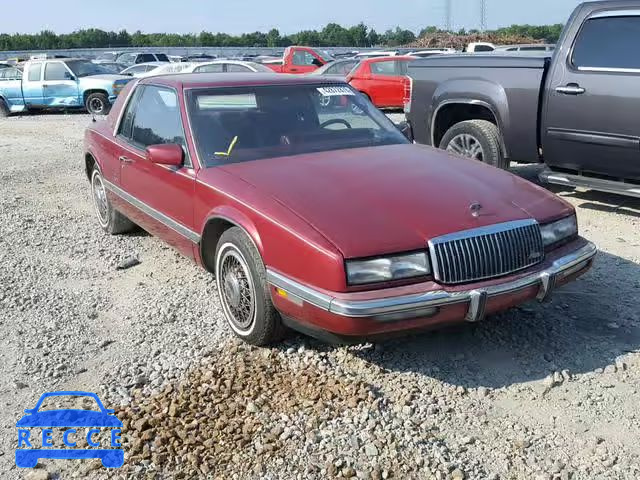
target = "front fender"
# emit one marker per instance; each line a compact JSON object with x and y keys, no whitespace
{"x":237,"y":218}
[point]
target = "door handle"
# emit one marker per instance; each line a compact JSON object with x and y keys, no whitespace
{"x":125,"y":160}
{"x":571,"y":89}
{"x":293,"y":69}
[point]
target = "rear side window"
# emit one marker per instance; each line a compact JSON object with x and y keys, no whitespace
{"x":214,"y":68}
{"x":55,"y":71}
{"x":384,"y":68}
{"x":34,"y":72}
{"x":233,"y":67}
{"x":608,"y":42}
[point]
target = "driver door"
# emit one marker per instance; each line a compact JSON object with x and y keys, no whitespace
{"x":59,"y":86}
{"x":160,"y":197}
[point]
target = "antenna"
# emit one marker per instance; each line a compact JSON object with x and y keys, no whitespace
{"x":483,"y":15}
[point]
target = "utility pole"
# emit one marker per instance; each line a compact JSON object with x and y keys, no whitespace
{"x":447,"y":15}
{"x":483,"y":15}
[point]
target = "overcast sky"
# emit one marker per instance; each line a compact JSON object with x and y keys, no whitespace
{"x":289,"y":16}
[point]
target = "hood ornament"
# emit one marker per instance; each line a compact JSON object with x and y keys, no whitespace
{"x":475,"y":208}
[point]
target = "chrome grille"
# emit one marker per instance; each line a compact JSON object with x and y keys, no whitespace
{"x":486,"y":252}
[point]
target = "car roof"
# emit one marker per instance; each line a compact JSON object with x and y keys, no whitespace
{"x":201,"y":80}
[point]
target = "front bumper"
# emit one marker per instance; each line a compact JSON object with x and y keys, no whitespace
{"x":351,"y":314}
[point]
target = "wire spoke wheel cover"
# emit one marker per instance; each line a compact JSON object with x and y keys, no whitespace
{"x":466,"y":145}
{"x":236,"y":289}
{"x":100,"y":198}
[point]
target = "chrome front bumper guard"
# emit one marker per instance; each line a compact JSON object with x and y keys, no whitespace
{"x":415,"y":305}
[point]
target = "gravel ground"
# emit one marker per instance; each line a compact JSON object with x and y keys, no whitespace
{"x":542,"y":392}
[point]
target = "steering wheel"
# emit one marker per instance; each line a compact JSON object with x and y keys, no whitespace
{"x":335,"y":121}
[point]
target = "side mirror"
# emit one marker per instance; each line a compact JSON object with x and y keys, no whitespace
{"x":166,"y":154}
{"x":317,"y":62}
{"x":406,"y":130}
{"x":68,"y":76}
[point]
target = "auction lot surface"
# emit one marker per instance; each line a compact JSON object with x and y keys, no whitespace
{"x":544,"y":391}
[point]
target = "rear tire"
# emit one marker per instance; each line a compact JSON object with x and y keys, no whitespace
{"x":477,"y":139}
{"x":4,"y":109}
{"x":241,"y":279}
{"x":97,"y":104}
{"x":111,"y":221}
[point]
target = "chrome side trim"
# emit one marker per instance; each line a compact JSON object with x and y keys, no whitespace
{"x":153,"y":213}
{"x":416,"y":302}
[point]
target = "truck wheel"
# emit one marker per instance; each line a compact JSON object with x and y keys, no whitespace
{"x":97,"y":104}
{"x":4,"y":109}
{"x":243,"y":289}
{"x":111,"y":220}
{"x":477,"y":139}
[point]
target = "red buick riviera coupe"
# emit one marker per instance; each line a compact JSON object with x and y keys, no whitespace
{"x":327,"y":221}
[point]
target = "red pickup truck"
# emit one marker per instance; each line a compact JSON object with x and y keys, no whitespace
{"x":300,"y":60}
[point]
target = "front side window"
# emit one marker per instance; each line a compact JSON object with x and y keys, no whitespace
{"x":34,"y":72}
{"x":608,"y":42}
{"x":157,"y":118}
{"x":56,"y":71}
{"x":241,"y":124}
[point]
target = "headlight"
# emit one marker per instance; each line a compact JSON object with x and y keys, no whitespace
{"x":558,"y":231}
{"x":384,"y":269}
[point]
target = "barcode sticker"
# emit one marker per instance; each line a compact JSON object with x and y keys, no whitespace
{"x":335,"y":91}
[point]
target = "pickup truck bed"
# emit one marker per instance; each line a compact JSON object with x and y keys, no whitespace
{"x":452,"y":88}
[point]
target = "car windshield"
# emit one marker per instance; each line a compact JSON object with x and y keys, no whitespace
{"x":242,"y":124}
{"x":83,"y":68}
{"x":326,"y":56}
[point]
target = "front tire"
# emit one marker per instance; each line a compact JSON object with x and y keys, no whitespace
{"x":476,"y":139}
{"x":241,"y":279}
{"x":97,"y":104}
{"x":111,"y":221}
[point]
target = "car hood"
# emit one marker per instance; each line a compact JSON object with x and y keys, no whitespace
{"x":69,"y":418}
{"x":375,"y":200}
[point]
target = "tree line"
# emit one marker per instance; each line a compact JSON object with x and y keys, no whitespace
{"x":332,"y":35}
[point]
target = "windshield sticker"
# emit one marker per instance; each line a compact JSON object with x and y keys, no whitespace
{"x":335,"y":91}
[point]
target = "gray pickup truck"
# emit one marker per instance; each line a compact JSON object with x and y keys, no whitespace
{"x":577,"y":110}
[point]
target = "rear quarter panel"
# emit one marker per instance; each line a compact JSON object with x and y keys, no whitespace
{"x":512,"y":94}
